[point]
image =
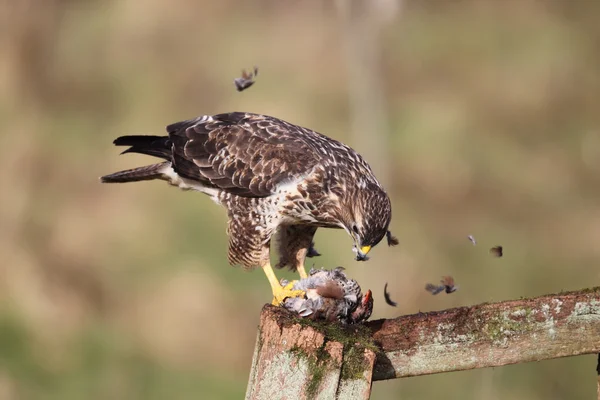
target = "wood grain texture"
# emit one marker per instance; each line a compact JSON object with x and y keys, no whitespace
{"x":488,"y":335}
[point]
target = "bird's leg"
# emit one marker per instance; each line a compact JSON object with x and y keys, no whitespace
{"x":295,"y":244}
{"x":310,"y":252}
{"x":280,"y":293}
{"x":302,"y":271}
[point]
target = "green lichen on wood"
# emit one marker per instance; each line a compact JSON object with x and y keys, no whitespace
{"x":318,"y":364}
{"x":499,"y":327}
{"x":354,"y":363}
{"x":355,"y":339}
{"x":359,"y":334}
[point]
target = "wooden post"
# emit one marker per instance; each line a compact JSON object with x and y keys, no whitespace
{"x":298,"y":359}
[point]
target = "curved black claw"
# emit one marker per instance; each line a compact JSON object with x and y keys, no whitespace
{"x":312,"y":252}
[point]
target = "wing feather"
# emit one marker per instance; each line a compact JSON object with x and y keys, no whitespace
{"x":241,"y":153}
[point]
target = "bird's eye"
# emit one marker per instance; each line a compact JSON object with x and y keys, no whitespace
{"x":355,"y":229}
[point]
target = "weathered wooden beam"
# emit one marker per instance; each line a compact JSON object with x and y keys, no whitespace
{"x":296,"y":359}
{"x":488,"y":335}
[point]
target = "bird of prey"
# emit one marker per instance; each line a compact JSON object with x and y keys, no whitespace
{"x":276,"y":180}
{"x":331,"y":296}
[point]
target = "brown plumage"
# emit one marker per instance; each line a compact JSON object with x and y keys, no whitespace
{"x":272,"y":177}
{"x":331,"y":290}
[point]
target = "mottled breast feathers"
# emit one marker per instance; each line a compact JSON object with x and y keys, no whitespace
{"x":244,"y":154}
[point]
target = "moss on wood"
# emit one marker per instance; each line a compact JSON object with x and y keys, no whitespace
{"x":355,"y":339}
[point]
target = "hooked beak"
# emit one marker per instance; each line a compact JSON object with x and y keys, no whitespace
{"x":361,"y":253}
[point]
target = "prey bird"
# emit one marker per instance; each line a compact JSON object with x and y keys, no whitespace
{"x":331,"y":296}
{"x":277,"y":181}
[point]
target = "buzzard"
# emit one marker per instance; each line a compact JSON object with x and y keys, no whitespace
{"x":276,"y":180}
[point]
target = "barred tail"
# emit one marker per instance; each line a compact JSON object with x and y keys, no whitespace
{"x":146,"y":173}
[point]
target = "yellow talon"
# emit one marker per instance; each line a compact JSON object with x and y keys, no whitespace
{"x":283,"y":292}
{"x":280,"y":293}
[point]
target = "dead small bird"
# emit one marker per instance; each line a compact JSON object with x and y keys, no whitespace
{"x":447,"y":284}
{"x":472,"y":239}
{"x":387,"y":297}
{"x":331,"y":296}
{"x":246,"y":80}
{"x":496,"y":251}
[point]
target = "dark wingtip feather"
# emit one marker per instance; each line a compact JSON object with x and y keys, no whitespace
{"x":122,"y":141}
{"x":133,"y":140}
{"x":392,"y":240}
{"x":156,"y":146}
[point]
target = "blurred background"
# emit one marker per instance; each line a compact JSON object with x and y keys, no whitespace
{"x":481,"y":118}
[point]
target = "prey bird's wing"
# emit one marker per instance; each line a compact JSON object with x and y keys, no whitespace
{"x":244,"y":154}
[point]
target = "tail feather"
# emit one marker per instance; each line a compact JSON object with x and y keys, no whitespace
{"x":145,"y":173}
{"x":156,"y":146}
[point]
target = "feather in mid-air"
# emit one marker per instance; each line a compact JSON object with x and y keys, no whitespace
{"x":275,"y":179}
{"x":447,"y":284}
{"x":330,"y":296}
{"x":387,"y":297}
{"x":246,"y":80}
{"x":497,"y":251}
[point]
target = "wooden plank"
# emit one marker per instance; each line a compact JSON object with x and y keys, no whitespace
{"x":488,"y":335}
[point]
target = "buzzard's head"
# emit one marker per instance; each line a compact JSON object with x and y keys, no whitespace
{"x":369,"y":220}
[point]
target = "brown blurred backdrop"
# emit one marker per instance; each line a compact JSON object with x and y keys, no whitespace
{"x":481,"y":117}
